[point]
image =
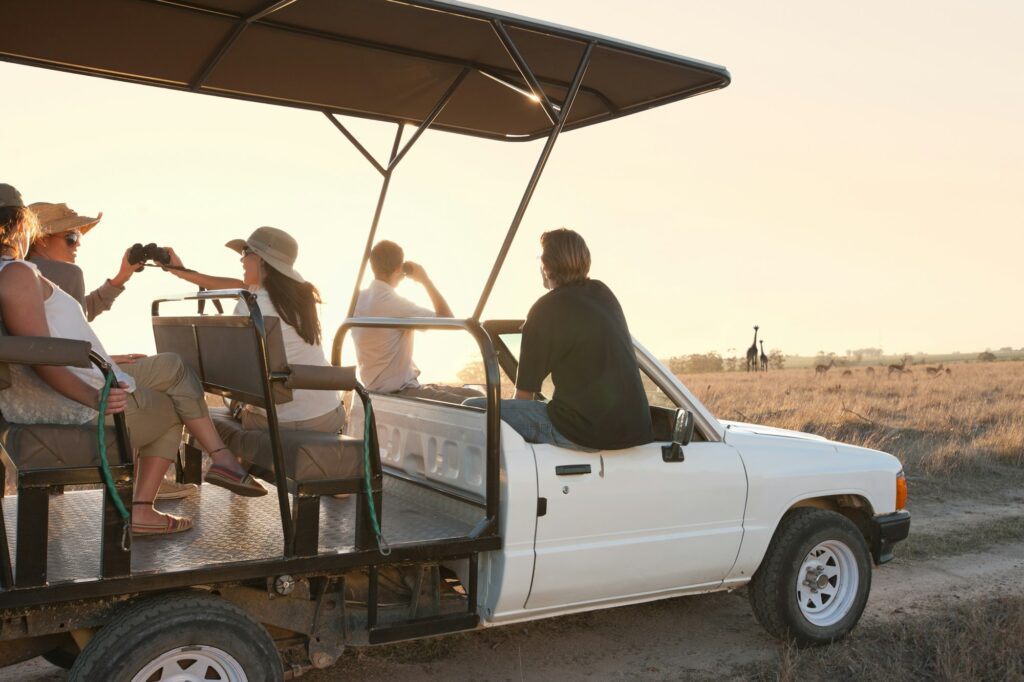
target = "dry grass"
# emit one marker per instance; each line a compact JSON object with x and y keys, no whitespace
{"x":978,"y":641}
{"x":968,"y":422}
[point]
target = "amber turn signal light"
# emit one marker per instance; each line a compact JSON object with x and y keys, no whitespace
{"x":901,"y":491}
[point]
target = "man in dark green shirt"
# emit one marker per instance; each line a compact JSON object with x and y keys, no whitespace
{"x":578,"y":334}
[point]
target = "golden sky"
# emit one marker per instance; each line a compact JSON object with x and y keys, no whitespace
{"x":858,"y":184}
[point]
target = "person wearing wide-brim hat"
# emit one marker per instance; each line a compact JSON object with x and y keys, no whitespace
{"x":55,"y":249}
{"x":268,"y":258}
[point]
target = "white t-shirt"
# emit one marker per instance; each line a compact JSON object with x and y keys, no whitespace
{"x":385,"y":355}
{"x":305,"y":404}
{"x":30,"y":400}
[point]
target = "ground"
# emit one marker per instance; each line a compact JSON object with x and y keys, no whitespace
{"x":951,"y":606}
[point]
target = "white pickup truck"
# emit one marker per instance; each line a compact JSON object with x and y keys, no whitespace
{"x":798,"y":517}
{"x":442,"y":519}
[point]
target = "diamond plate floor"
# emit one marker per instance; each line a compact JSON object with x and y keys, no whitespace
{"x":229,"y":528}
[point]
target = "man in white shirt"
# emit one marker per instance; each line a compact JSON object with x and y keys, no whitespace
{"x":385,"y":355}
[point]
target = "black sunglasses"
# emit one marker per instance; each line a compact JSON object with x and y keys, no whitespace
{"x":72,"y":238}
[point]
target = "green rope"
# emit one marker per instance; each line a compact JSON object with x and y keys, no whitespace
{"x":108,"y":479}
{"x":367,"y":419}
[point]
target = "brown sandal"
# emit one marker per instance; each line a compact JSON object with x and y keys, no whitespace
{"x":172,"y":524}
{"x":244,"y":485}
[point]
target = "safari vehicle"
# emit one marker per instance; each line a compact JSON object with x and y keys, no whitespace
{"x":452,"y":521}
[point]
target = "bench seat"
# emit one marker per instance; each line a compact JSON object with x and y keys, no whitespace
{"x":308,"y":455}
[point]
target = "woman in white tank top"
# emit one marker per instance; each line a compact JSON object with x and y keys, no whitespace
{"x":156,"y":404}
{"x":268,"y":264}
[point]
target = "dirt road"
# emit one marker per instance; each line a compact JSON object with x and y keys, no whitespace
{"x":701,"y":637}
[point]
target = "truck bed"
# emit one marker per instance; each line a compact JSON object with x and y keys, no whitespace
{"x":231,"y":529}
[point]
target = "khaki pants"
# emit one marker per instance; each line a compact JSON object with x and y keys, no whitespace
{"x":166,"y":393}
{"x":332,"y":422}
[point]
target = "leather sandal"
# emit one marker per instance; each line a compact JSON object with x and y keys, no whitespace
{"x":244,"y":485}
{"x":171,"y":524}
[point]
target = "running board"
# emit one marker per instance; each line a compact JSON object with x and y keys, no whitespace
{"x":423,"y":627}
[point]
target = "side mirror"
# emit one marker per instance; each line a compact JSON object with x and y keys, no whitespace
{"x":682,"y":434}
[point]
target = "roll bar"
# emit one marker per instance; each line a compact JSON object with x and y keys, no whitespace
{"x":490,"y":524}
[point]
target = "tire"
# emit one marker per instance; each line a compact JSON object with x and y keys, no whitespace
{"x":814,"y":580}
{"x":192,"y":636}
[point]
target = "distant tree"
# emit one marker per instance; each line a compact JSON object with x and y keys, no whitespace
{"x":1005,"y":349}
{"x":706,"y":362}
{"x":987,"y":356}
{"x":677,"y":364}
{"x":731,"y":363}
{"x":776,"y":360}
{"x":866,"y":352}
{"x":472,"y":373}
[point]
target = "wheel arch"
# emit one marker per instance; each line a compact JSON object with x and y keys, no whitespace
{"x":856,"y":508}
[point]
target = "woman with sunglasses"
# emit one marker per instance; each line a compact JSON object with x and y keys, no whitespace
{"x":54,"y":251}
{"x":157,"y":396}
{"x":268,"y":270}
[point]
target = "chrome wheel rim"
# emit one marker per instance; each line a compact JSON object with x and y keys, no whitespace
{"x":198,"y":663}
{"x":826,"y":584}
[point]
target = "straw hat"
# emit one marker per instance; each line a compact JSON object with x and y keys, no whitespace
{"x":276,"y":247}
{"x":10,"y":197}
{"x":58,"y":218}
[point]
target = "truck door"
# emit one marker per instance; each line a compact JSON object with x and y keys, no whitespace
{"x":626,"y":523}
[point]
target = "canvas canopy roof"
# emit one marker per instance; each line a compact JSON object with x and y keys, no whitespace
{"x":380,"y":59}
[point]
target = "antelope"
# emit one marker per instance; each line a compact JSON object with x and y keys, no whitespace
{"x":822,"y":370}
{"x":900,"y":369}
{"x":934,"y":371}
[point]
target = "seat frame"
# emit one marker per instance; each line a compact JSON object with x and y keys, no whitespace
{"x":300,"y":517}
{"x":36,"y":485}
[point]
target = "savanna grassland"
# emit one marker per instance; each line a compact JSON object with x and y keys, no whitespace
{"x":958,"y":427}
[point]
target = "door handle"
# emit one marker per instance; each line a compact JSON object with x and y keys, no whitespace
{"x":572,"y":469}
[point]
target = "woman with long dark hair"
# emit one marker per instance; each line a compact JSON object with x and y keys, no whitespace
{"x":268,"y":270}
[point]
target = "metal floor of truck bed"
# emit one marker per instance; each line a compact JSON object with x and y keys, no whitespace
{"x":230,"y":529}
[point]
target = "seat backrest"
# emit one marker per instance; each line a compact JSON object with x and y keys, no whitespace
{"x":224,"y":352}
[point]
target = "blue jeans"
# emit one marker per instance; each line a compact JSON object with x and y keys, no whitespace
{"x":530,"y":419}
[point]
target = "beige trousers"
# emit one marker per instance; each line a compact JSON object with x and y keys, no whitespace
{"x":166,"y":393}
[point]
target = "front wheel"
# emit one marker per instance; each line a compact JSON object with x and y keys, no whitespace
{"x":185,"y":637}
{"x":813,"y":583}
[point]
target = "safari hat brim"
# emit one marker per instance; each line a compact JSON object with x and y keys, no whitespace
{"x":58,"y":218}
{"x":276,"y":247}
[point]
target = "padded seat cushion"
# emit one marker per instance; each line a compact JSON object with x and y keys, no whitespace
{"x":49,"y":446}
{"x":308,"y":455}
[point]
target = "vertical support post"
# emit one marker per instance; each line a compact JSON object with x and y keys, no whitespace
{"x":33,"y":536}
{"x":376,"y":220}
{"x":371,"y":599}
{"x":280,"y":470}
{"x":192,"y":469}
{"x":474,"y":568}
{"x":570,"y":96}
{"x":307,"y":524}
{"x":114,"y":560}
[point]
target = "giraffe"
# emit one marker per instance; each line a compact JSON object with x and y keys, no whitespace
{"x":752,"y":353}
{"x":822,"y":370}
{"x":764,"y":358}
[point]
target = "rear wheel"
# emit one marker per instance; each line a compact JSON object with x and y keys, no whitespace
{"x":183,"y":637}
{"x":814,"y":581}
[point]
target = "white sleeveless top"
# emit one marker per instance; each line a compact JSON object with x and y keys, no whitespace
{"x":305,"y":404}
{"x":30,"y":400}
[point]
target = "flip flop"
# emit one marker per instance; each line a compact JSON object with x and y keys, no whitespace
{"x":246,"y":485}
{"x":171,"y":524}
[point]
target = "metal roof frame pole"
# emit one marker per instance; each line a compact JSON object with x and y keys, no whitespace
{"x":525,"y":71}
{"x":243,"y":23}
{"x":563,"y":116}
{"x":393,"y":160}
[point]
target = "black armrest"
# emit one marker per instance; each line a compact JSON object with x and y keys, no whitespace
{"x":44,"y":350}
{"x":321,"y":378}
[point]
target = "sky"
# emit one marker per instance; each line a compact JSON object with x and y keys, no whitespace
{"x":857,"y":185}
